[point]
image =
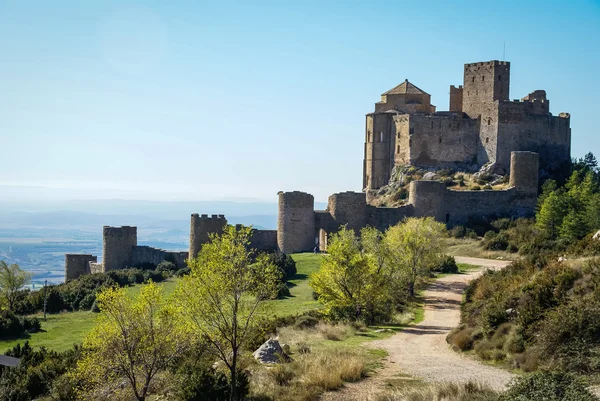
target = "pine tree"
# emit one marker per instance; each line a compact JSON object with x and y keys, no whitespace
{"x":551,"y":213}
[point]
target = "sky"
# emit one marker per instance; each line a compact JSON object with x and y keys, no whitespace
{"x":195,"y":100}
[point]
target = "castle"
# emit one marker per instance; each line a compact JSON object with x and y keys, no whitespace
{"x":483,"y":127}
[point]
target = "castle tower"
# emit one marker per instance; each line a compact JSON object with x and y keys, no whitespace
{"x":349,"y":208}
{"x":118,"y":244}
{"x":427,"y":199}
{"x":484,"y":82}
{"x":77,"y":265}
{"x":378,"y":160}
{"x":201,"y":227}
{"x":296,"y":222}
{"x":524,"y":170}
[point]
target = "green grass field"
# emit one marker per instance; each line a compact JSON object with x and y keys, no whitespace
{"x":61,"y":331}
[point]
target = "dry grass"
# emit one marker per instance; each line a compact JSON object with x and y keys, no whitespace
{"x":472,"y":248}
{"x":317,"y":365}
{"x":470,"y":391}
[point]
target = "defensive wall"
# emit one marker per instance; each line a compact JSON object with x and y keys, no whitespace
{"x":303,"y":227}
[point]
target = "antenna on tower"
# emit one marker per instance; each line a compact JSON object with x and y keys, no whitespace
{"x":504,"y":52}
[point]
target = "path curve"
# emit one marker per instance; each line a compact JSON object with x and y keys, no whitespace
{"x":421,"y":351}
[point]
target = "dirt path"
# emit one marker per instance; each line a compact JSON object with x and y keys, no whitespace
{"x":421,"y":350}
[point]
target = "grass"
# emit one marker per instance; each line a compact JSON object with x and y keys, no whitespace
{"x":60,"y":331}
{"x":472,"y":248}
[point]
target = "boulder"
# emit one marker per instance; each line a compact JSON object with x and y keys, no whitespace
{"x":430,"y":175}
{"x":597,"y":235}
{"x":270,"y":352}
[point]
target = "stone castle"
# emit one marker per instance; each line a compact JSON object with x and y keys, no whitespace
{"x":483,"y":127}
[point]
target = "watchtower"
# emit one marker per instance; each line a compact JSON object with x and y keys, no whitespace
{"x":77,"y":265}
{"x":349,"y":208}
{"x":296,"y":222}
{"x":524,"y":170}
{"x":200,"y":228}
{"x":117,"y":252}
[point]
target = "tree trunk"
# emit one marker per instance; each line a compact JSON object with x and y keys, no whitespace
{"x":411,"y":289}
{"x":233,"y":396}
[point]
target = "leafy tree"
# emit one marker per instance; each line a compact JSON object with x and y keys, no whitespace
{"x":134,"y":339}
{"x":12,"y":280}
{"x":414,"y":246}
{"x":355,"y":276}
{"x":222,"y":296}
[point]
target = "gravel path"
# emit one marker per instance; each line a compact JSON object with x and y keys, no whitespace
{"x":421,"y":350}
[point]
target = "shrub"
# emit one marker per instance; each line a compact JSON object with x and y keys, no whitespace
{"x":201,"y":382}
{"x":548,"y":386}
{"x":447,"y":264}
{"x":495,"y":241}
{"x":166,"y":266}
{"x":285,"y":263}
{"x":461,"y":339}
{"x":475,"y":188}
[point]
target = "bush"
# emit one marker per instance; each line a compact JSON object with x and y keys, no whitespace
{"x":166,"y":266}
{"x":446,"y":265}
{"x":197,"y":383}
{"x":285,"y":263}
{"x":305,"y":322}
{"x":495,"y":241}
{"x":548,"y":386}
{"x":461,"y":339}
{"x":475,"y":188}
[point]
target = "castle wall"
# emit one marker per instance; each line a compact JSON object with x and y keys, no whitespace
{"x":77,"y":265}
{"x":296,"y":222}
{"x":521,"y":129}
{"x":200,"y":228}
{"x":460,"y":206}
{"x":384,"y":217}
{"x":147,"y":254}
{"x":402,"y":139}
{"x":118,"y":244}
{"x":443,"y":140}
{"x":264,"y":240}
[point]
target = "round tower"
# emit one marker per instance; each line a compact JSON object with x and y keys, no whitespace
{"x":524,"y":170}
{"x":427,"y":198}
{"x":296,"y":222}
{"x":349,"y":208}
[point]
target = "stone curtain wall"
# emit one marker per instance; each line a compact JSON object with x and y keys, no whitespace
{"x":146,"y":254}
{"x":443,"y":141}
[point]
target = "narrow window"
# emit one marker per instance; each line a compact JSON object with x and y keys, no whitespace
{"x":381,"y":136}
{"x":489,"y":121}
{"x":483,"y":78}
{"x":499,"y":77}
{"x":432,"y":124}
{"x":398,"y":134}
{"x":440,"y":140}
{"x":410,"y":142}
{"x":369,"y":137}
{"x":477,"y":91}
{"x":398,"y":149}
{"x":487,"y":140}
{"x":473,"y":79}
{"x":412,"y":130}
{"x":447,"y":217}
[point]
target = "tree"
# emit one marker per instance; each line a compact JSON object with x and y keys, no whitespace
{"x":12,"y":280}
{"x":551,"y":214}
{"x":134,"y":339}
{"x":414,"y":246}
{"x":222,"y":296}
{"x":355,"y":276}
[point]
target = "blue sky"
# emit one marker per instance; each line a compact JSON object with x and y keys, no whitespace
{"x":205,"y":100}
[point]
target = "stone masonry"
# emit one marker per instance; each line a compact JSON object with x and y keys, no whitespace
{"x":483,"y":126}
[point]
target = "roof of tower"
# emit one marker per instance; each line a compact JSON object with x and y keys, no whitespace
{"x":404,"y":88}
